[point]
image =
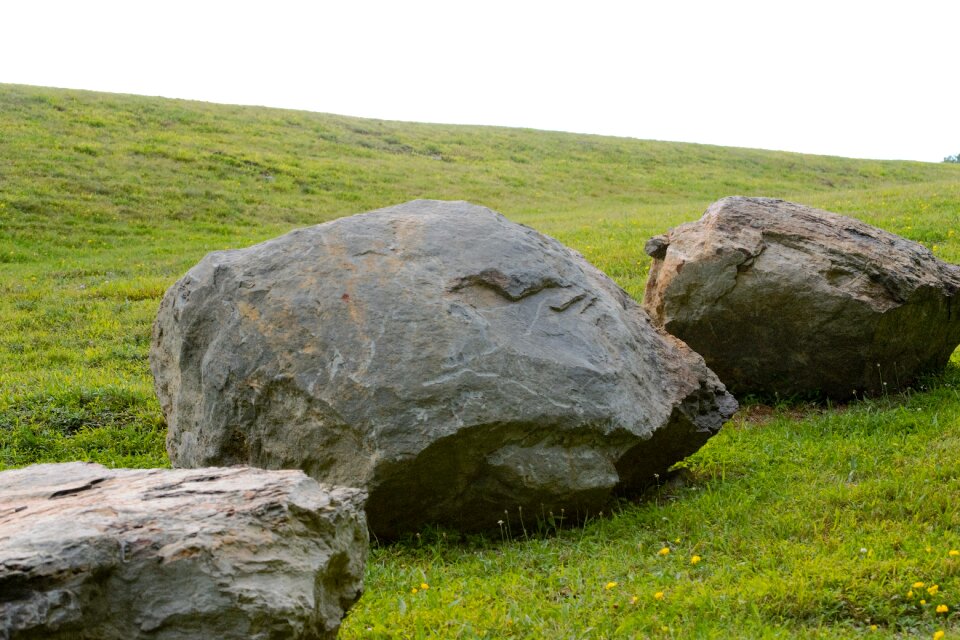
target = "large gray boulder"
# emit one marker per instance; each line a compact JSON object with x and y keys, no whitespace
{"x":89,"y":553}
{"x":781,"y":298}
{"x":453,"y":363}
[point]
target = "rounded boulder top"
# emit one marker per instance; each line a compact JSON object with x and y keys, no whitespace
{"x":781,"y":298}
{"x":449,"y":361}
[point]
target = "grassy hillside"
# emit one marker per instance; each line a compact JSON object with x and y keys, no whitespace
{"x":808,"y":522}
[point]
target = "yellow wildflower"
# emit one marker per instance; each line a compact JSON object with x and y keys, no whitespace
{"x":953,"y":553}
{"x":424,"y":586}
{"x":923,"y":602}
{"x":610,"y":585}
{"x":910,"y":593}
{"x":942,"y":608}
{"x":634,"y":599}
{"x":664,"y":551}
{"x":918,"y":585}
{"x":938,"y":634}
{"x":695,"y":559}
{"x":658,"y":595}
{"x":414,"y":590}
{"x":873,"y":627}
{"x":933,"y":590}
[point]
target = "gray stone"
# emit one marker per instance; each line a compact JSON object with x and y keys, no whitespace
{"x":781,"y":298}
{"x":453,"y":363}
{"x":89,"y":553}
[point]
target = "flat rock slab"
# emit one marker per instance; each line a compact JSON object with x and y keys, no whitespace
{"x":453,"y":363}
{"x":90,"y":553}
{"x":781,"y":298}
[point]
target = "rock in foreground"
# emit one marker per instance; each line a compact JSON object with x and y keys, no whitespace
{"x":781,"y":298}
{"x":89,"y":553}
{"x":453,"y":363}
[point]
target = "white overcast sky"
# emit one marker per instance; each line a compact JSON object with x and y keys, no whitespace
{"x":860,"y":79}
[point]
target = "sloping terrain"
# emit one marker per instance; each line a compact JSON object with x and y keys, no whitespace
{"x":807,"y":522}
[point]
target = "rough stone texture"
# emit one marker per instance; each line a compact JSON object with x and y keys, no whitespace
{"x":783,"y":298}
{"x":89,"y":553}
{"x":455,"y":364}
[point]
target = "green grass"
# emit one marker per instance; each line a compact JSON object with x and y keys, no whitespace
{"x":815,"y":527}
{"x":810,"y":522}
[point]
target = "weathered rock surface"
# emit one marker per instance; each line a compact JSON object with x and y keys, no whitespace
{"x":89,"y":553}
{"x":783,"y":298}
{"x":451,"y":362}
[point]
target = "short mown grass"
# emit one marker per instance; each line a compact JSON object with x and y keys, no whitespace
{"x":805,"y":523}
{"x":808,"y":521}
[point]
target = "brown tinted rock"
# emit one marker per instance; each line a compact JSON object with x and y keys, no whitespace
{"x":455,"y":364}
{"x":781,"y":298}
{"x":89,"y":553}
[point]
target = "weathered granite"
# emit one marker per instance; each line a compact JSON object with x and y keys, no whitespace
{"x":90,"y":553}
{"x":453,"y":363}
{"x":781,"y":298}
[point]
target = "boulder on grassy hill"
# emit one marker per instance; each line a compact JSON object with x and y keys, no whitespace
{"x":781,"y":298}
{"x":453,"y":363}
{"x":90,"y":553}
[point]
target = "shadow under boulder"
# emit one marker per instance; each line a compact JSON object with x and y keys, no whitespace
{"x":452,"y":363}
{"x":781,"y":298}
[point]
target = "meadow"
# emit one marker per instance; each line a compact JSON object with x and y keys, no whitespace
{"x":796,"y":521}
